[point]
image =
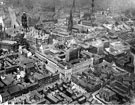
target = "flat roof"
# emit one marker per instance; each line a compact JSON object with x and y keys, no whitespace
{"x":8,"y":42}
{"x":97,"y":43}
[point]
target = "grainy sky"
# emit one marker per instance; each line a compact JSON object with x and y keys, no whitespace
{"x":119,"y":5}
{"x":112,"y":4}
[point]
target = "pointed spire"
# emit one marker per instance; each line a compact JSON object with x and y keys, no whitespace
{"x":70,"y":22}
{"x":92,"y":5}
{"x":73,"y":6}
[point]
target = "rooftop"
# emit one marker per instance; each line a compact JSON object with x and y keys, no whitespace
{"x":8,"y":42}
{"x":117,"y":47}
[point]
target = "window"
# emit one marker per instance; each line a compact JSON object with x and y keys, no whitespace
{"x":46,"y":62}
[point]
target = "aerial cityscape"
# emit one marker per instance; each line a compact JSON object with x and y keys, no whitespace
{"x":67,"y":52}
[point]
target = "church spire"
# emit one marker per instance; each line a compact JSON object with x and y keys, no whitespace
{"x":70,"y":22}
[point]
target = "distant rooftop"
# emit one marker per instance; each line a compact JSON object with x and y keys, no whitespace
{"x":8,"y":42}
{"x":97,"y":43}
{"x":117,"y":48}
